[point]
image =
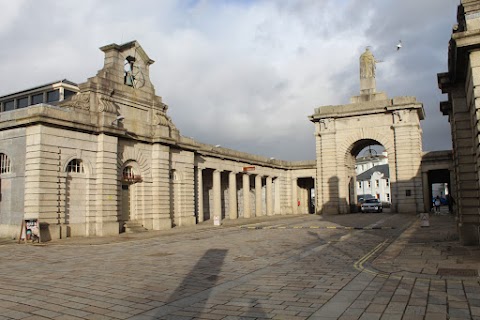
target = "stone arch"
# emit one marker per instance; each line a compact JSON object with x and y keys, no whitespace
{"x":77,"y":173}
{"x":378,"y":185}
{"x":351,"y":141}
{"x":130,"y":163}
{"x":142,"y":162}
{"x":130,"y":193}
{"x":343,"y":131}
{"x":87,"y":165}
{"x":134,"y":196}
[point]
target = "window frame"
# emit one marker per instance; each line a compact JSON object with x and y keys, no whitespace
{"x":75,"y":166}
{"x":5,"y":164}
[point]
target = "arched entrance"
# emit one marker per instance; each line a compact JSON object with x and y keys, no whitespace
{"x":369,"y":176}
{"x":130,"y":178}
{"x":439,"y":186}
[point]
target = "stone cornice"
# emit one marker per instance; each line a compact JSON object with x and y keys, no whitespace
{"x":366,"y":108}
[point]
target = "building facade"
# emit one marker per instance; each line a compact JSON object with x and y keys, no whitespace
{"x":462,"y":82}
{"x":103,"y":157}
{"x":108,"y":157}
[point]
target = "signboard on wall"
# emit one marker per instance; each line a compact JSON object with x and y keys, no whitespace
{"x":30,"y":231}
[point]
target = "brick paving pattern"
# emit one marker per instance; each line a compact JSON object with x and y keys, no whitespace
{"x":388,"y":270}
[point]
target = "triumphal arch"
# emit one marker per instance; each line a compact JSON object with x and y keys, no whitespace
{"x":371,"y":118}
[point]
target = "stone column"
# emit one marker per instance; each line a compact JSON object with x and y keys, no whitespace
{"x":200,"y":213}
{"x":427,"y":200}
{"x":217,"y":195}
{"x":464,"y":159}
{"x":407,"y":174}
{"x":246,"y":196}
{"x":277,"y":206}
{"x":106,"y":188}
{"x":232,"y":192}
{"x":161,"y":188}
{"x":295,"y":196}
{"x":258,"y":195}
{"x":269,"y":196}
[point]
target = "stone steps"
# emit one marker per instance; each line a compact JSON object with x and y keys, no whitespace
{"x":134,"y":227}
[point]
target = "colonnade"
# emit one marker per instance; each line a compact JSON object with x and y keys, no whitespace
{"x":233,"y":198}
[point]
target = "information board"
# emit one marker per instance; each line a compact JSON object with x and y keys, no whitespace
{"x":30,"y":231}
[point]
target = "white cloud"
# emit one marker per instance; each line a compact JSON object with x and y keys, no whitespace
{"x":246,"y":73}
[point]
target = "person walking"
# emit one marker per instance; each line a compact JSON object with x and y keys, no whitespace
{"x":437,"y":204}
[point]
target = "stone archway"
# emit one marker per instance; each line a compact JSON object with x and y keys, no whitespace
{"x":343,"y":130}
{"x":367,"y":173}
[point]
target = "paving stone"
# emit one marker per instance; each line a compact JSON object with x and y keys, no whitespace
{"x":288,"y":276}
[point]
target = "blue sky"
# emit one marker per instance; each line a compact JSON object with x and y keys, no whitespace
{"x":243,"y":74}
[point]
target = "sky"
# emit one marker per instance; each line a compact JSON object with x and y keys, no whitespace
{"x":242,"y":74}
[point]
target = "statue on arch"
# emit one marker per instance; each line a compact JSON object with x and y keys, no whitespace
{"x":367,"y":64}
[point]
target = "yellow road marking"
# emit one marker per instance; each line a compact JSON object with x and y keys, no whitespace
{"x":359,"y":263}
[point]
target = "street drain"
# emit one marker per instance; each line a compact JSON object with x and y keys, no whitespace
{"x":457,"y":272}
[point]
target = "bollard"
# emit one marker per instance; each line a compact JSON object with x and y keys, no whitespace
{"x":216,"y":220}
{"x":424,"y":220}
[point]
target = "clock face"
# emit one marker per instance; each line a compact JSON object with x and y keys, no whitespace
{"x":133,"y":75}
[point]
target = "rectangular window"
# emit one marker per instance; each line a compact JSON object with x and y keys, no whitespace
{"x":388,"y":197}
{"x":53,"y":96}
{"x":67,"y":94}
{"x":4,"y":163}
{"x":9,"y":105}
{"x":387,"y":182}
{"x":37,"y":98}
{"x":408,"y":193}
{"x":377,"y":183}
{"x":22,"y":102}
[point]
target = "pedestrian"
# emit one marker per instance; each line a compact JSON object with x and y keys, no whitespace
{"x":437,"y":204}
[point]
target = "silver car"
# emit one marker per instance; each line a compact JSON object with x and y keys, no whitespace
{"x":372,"y":205}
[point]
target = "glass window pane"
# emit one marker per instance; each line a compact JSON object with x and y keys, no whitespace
{"x":53,"y":96}
{"x":22,"y":102}
{"x":9,"y":105}
{"x":4,"y":163}
{"x":38,"y":98}
{"x":68,"y":93}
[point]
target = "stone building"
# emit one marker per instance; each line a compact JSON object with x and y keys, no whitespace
{"x":104,"y":157}
{"x":462,"y":82}
{"x":107,"y":157}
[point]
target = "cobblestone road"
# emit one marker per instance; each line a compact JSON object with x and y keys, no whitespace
{"x":303,"y":267}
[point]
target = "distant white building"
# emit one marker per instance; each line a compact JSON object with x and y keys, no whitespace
{"x":373,"y":177}
{"x":367,"y":162}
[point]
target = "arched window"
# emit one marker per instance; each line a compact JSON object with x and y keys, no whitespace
{"x":128,"y":173}
{"x":5,"y":166}
{"x":76,"y":165}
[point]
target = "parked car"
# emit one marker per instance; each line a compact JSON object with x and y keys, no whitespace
{"x":371,"y":205}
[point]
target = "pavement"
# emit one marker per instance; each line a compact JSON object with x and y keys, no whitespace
{"x":432,"y":252}
{"x":355,"y":266}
